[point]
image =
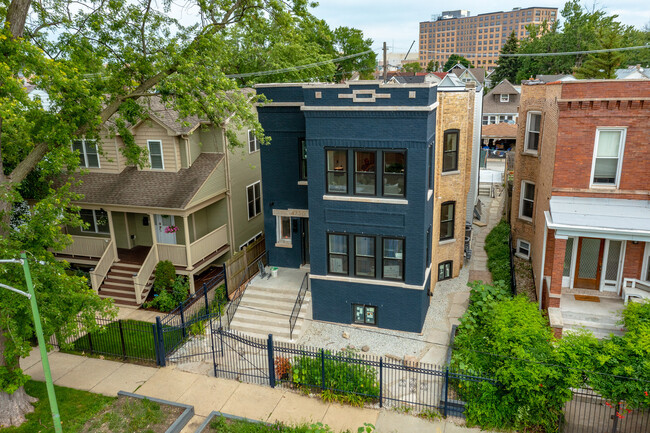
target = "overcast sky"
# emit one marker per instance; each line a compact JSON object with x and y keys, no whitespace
{"x":396,"y":21}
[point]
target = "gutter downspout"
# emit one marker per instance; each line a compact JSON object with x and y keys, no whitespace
{"x":541,"y":273}
{"x":231,"y":219}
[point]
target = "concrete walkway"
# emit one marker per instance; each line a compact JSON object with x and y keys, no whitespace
{"x":492,"y":211}
{"x":132,"y":313}
{"x":228,"y":396}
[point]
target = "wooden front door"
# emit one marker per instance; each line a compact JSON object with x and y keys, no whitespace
{"x":589,"y":263}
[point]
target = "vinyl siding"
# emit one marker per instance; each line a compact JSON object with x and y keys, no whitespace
{"x":216,"y":183}
{"x":149,"y":130}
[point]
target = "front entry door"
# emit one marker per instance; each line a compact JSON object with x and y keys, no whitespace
{"x":589,"y":263}
{"x":305,"y":241}
{"x":164,"y":234}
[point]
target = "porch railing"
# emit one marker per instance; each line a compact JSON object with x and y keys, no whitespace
{"x":174,"y":253}
{"x":141,"y":279}
{"x":86,"y":246}
{"x":633,"y":288}
{"x":203,"y":247}
{"x":103,"y":266}
{"x":298,"y":304}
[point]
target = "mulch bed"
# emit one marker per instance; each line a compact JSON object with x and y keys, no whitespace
{"x":524,"y":276}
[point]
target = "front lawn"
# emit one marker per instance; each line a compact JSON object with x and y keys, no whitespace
{"x":223,"y":425}
{"x":76,"y":408}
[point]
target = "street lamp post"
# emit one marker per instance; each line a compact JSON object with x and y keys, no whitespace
{"x":39,"y":334}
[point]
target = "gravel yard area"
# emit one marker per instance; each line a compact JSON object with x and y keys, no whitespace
{"x":524,"y":276}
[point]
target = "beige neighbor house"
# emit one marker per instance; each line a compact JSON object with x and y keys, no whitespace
{"x":197,"y":200}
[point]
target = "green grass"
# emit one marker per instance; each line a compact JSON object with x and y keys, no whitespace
{"x":496,"y":247}
{"x":129,"y":416}
{"x":138,"y":341}
{"x":76,"y":408}
{"x":223,"y":425}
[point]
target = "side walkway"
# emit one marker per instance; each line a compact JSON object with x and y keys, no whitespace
{"x":208,"y":393}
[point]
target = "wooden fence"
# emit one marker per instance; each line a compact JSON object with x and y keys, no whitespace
{"x":238,"y":269}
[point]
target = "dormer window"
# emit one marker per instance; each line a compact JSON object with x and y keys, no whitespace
{"x":156,"y":155}
{"x":504,"y":98}
{"x":88,"y":156}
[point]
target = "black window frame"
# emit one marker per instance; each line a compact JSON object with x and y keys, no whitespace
{"x":328,"y":171}
{"x":374,"y":256}
{"x":383,"y":172}
{"x":443,"y":265}
{"x":94,"y":227}
{"x":355,"y":173}
{"x":365,"y":307}
{"x":302,"y":154}
{"x":347,"y":253}
{"x":383,"y":258}
{"x":452,"y":220}
{"x":445,"y":152}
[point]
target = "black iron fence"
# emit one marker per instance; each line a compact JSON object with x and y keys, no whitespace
{"x":304,"y":286}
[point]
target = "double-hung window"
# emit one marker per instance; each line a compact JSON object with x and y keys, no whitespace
{"x":88,"y":156}
{"x":364,"y":173}
{"x":523,"y":249}
{"x":393,"y":259}
{"x":337,"y":171}
{"x":450,"y":150}
{"x":393,"y":174}
{"x":283,"y":226}
{"x":254,"y":199}
{"x":337,"y":254}
{"x":253,"y":145}
{"x":156,"y":154}
{"x":533,"y":128}
{"x":504,"y":97}
{"x":447,"y":212}
{"x":96,"y":220}
{"x":364,"y":256}
{"x":527,"y":200}
{"x":608,"y":156}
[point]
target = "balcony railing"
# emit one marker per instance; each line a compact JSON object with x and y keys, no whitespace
{"x":86,"y":246}
{"x":199,"y":249}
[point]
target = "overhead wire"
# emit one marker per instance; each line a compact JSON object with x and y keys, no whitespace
{"x":547,"y":54}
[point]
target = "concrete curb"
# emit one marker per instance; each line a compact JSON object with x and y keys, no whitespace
{"x":216,"y":413}
{"x":181,"y":421}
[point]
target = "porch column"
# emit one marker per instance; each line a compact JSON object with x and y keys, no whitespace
{"x":152,"y":224}
{"x":112,"y":232}
{"x":188,"y":250}
{"x":557,"y":270}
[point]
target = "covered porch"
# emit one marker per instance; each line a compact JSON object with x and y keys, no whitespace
{"x":596,"y":252}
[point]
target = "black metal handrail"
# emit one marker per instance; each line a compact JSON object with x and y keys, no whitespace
{"x":239,"y":291}
{"x":298,"y":305}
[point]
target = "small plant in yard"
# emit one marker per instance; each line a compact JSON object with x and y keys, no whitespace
{"x":282,"y":368}
{"x":223,"y":425}
{"x":164,"y":275}
{"x":167,"y":298}
{"x":430,"y":414}
{"x":498,"y":252}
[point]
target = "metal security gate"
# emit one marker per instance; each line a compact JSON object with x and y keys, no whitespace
{"x":245,"y":359}
{"x":588,"y":412}
{"x":197,"y":341}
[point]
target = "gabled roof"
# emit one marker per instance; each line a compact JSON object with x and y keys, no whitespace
{"x":148,"y":188}
{"x":503,"y":88}
{"x":440,"y":75}
{"x":632,"y":73}
{"x":451,"y":80}
{"x":477,"y":73}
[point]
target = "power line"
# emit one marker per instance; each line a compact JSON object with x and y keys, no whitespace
{"x":565,"y":53}
{"x":299,"y":67}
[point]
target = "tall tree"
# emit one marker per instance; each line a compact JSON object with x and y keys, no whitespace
{"x":431,"y":66}
{"x":454,"y":59}
{"x":98,"y":60}
{"x":507,"y":67}
{"x":603,"y":65}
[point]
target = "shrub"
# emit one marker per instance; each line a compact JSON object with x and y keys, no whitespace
{"x":164,"y":275}
{"x":498,"y":252}
{"x":526,"y":395}
{"x":166,"y":299}
{"x":180,"y":289}
{"x":347,"y":381}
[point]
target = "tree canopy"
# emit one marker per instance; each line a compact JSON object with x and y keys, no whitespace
{"x":98,"y":60}
{"x":412,"y":67}
{"x":454,"y":59}
{"x":507,"y":67}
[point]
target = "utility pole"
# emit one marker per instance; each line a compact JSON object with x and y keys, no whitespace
{"x":385,"y":65}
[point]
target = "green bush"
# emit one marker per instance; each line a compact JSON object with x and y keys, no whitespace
{"x":166,"y":299}
{"x":165,"y":275}
{"x":498,"y":252}
{"x":344,"y":381}
{"x":527,"y":395}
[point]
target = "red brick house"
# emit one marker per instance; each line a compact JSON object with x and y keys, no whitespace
{"x":581,"y":198}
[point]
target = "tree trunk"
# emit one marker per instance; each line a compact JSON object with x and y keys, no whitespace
{"x":13,"y":407}
{"x":17,"y":15}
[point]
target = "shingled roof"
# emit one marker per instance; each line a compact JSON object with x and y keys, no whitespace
{"x":148,"y":188}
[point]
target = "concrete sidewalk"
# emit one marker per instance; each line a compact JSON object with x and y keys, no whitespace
{"x":208,"y":393}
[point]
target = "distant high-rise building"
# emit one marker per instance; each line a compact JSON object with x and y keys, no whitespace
{"x":477,"y":38}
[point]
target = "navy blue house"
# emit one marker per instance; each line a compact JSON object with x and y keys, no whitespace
{"x":348,"y":190}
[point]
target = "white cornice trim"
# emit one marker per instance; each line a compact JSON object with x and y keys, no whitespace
{"x":371,"y":108}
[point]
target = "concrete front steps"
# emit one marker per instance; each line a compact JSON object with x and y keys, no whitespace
{"x":118,"y":284}
{"x":266,"y":310}
{"x":601,"y":325}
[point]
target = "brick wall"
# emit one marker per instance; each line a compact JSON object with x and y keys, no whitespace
{"x":633,"y":259}
{"x":455,"y":111}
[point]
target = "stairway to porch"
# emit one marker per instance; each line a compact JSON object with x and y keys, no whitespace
{"x":267,"y":303}
{"x":118,"y":284}
{"x":601,"y":318}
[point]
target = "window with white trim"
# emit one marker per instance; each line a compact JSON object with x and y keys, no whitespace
{"x":608,"y":156}
{"x":283,"y":226}
{"x":155,"y":155}
{"x":523,"y":249}
{"x":504,"y":97}
{"x":526,"y":200}
{"x":254,"y":199}
{"x":88,"y":155}
{"x":253,"y":145}
{"x":533,"y":129}
{"x":97,"y":221}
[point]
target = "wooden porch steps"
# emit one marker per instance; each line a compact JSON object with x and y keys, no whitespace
{"x":118,"y":284}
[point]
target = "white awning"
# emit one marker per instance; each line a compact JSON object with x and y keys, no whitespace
{"x":600,"y":217}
